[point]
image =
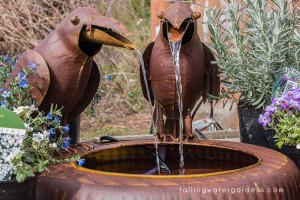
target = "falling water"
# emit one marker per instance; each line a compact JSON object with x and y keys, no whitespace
{"x":154,"y":122}
{"x":175,"y":49}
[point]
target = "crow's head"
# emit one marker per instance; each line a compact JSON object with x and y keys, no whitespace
{"x":178,"y":22}
{"x":89,"y":30}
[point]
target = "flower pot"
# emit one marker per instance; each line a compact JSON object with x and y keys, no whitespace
{"x":251,"y":131}
{"x":292,"y":153}
{"x":12,"y":190}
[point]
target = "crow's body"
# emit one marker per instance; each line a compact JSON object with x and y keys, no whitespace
{"x":198,"y":76}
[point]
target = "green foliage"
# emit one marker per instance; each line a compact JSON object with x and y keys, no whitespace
{"x":252,"y":41}
{"x":287,"y":128}
{"x":43,"y":131}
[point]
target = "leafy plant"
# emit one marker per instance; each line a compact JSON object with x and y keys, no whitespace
{"x":43,"y":131}
{"x":283,"y":116}
{"x":253,"y":40}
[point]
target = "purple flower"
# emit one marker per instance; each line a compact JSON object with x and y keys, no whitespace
{"x":271,"y":109}
{"x":296,"y":94}
{"x":284,"y":103}
{"x":49,"y":116}
{"x":293,"y":103}
{"x":52,"y":131}
{"x":275,"y":101}
{"x":32,"y":65}
{"x":66,"y":128}
{"x":264,"y":119}
{"x":80,"y":162}
{"x":66,"y":142}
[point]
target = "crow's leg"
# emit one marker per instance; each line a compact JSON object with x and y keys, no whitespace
{"x":160,"y":122}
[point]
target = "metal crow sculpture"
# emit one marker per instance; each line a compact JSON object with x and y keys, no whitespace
{"x":66,"y":74}
{"x":199,"y":76}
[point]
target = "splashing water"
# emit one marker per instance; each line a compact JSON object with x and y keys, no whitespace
{"x":154,"y":122}
{"x":175,"y":50}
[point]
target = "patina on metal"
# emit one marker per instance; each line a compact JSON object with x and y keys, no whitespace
{"x":263,"y":170}
{"x":66,"y":74}
{"x":198,"y":75}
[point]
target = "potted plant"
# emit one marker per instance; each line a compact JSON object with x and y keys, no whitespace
{"x":43,"y":137}
{"x":253,"y":40}
{"x":283,"y":116}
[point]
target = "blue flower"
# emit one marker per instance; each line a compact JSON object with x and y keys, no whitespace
{"x":52,"y":131}
{"x":21,"y":75}
{"x":5,"y":94}
{"x":23,"y":84}
{"x":80,"y":162}
{"x":66,"y":128}
{"x":7,"y":59}
{"x":32,"y":65}
{"x":57,"y":119}
{"x":66,"y":142}
{"x":49,"y":116}
{"x":3,"y":104}
{"x":2,"y":89}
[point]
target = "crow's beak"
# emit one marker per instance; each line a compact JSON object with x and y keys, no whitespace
{"x":177,"y":33}
{"x":106,"y":30}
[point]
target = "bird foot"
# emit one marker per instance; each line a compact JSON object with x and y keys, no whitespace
{"x":63,"y":151}
{"x":171,"y":138}
{"x":191,"y":138}
{"x":86,"y":146}
{"x":167,"y":138}
{"x":72,"y":148}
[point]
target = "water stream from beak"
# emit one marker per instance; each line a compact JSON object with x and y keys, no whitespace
{"x":154,"y":122}
{"x":175,"y":50}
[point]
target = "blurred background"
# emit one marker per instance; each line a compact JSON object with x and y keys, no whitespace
{"x":119,"y":108}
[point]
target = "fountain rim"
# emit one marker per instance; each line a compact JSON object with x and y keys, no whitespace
{"x":128,"y":175}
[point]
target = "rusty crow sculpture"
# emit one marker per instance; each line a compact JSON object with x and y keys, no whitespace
{"x":199,"y":76}
{"x":66,"y":73}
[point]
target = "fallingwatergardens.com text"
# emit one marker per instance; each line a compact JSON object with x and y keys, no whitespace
{"x":229,"y":190}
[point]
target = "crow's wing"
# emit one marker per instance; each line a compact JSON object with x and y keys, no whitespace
{"x":39,"y":79}
{"x":88,"y":94}
{"x":146,"y":58}
{"x":212,"y":86}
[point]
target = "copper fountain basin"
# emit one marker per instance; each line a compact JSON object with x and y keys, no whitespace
{"x":229,"y":170}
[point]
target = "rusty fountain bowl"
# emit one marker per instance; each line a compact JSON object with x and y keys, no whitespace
{"x":213,"y":170}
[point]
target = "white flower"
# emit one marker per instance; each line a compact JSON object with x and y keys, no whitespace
{"x":27,"y":115}
{"x":28,"y":128}
{"x":19,"y":110}
{"x":38,"y":137}
{"x":25,"y":110}
{"x":298,"y":146}
{"x":53,"y":145}
{"x":13,"y":154}
{"x":46,"y":133}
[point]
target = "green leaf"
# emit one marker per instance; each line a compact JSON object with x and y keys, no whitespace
{"x":279,"y":144}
